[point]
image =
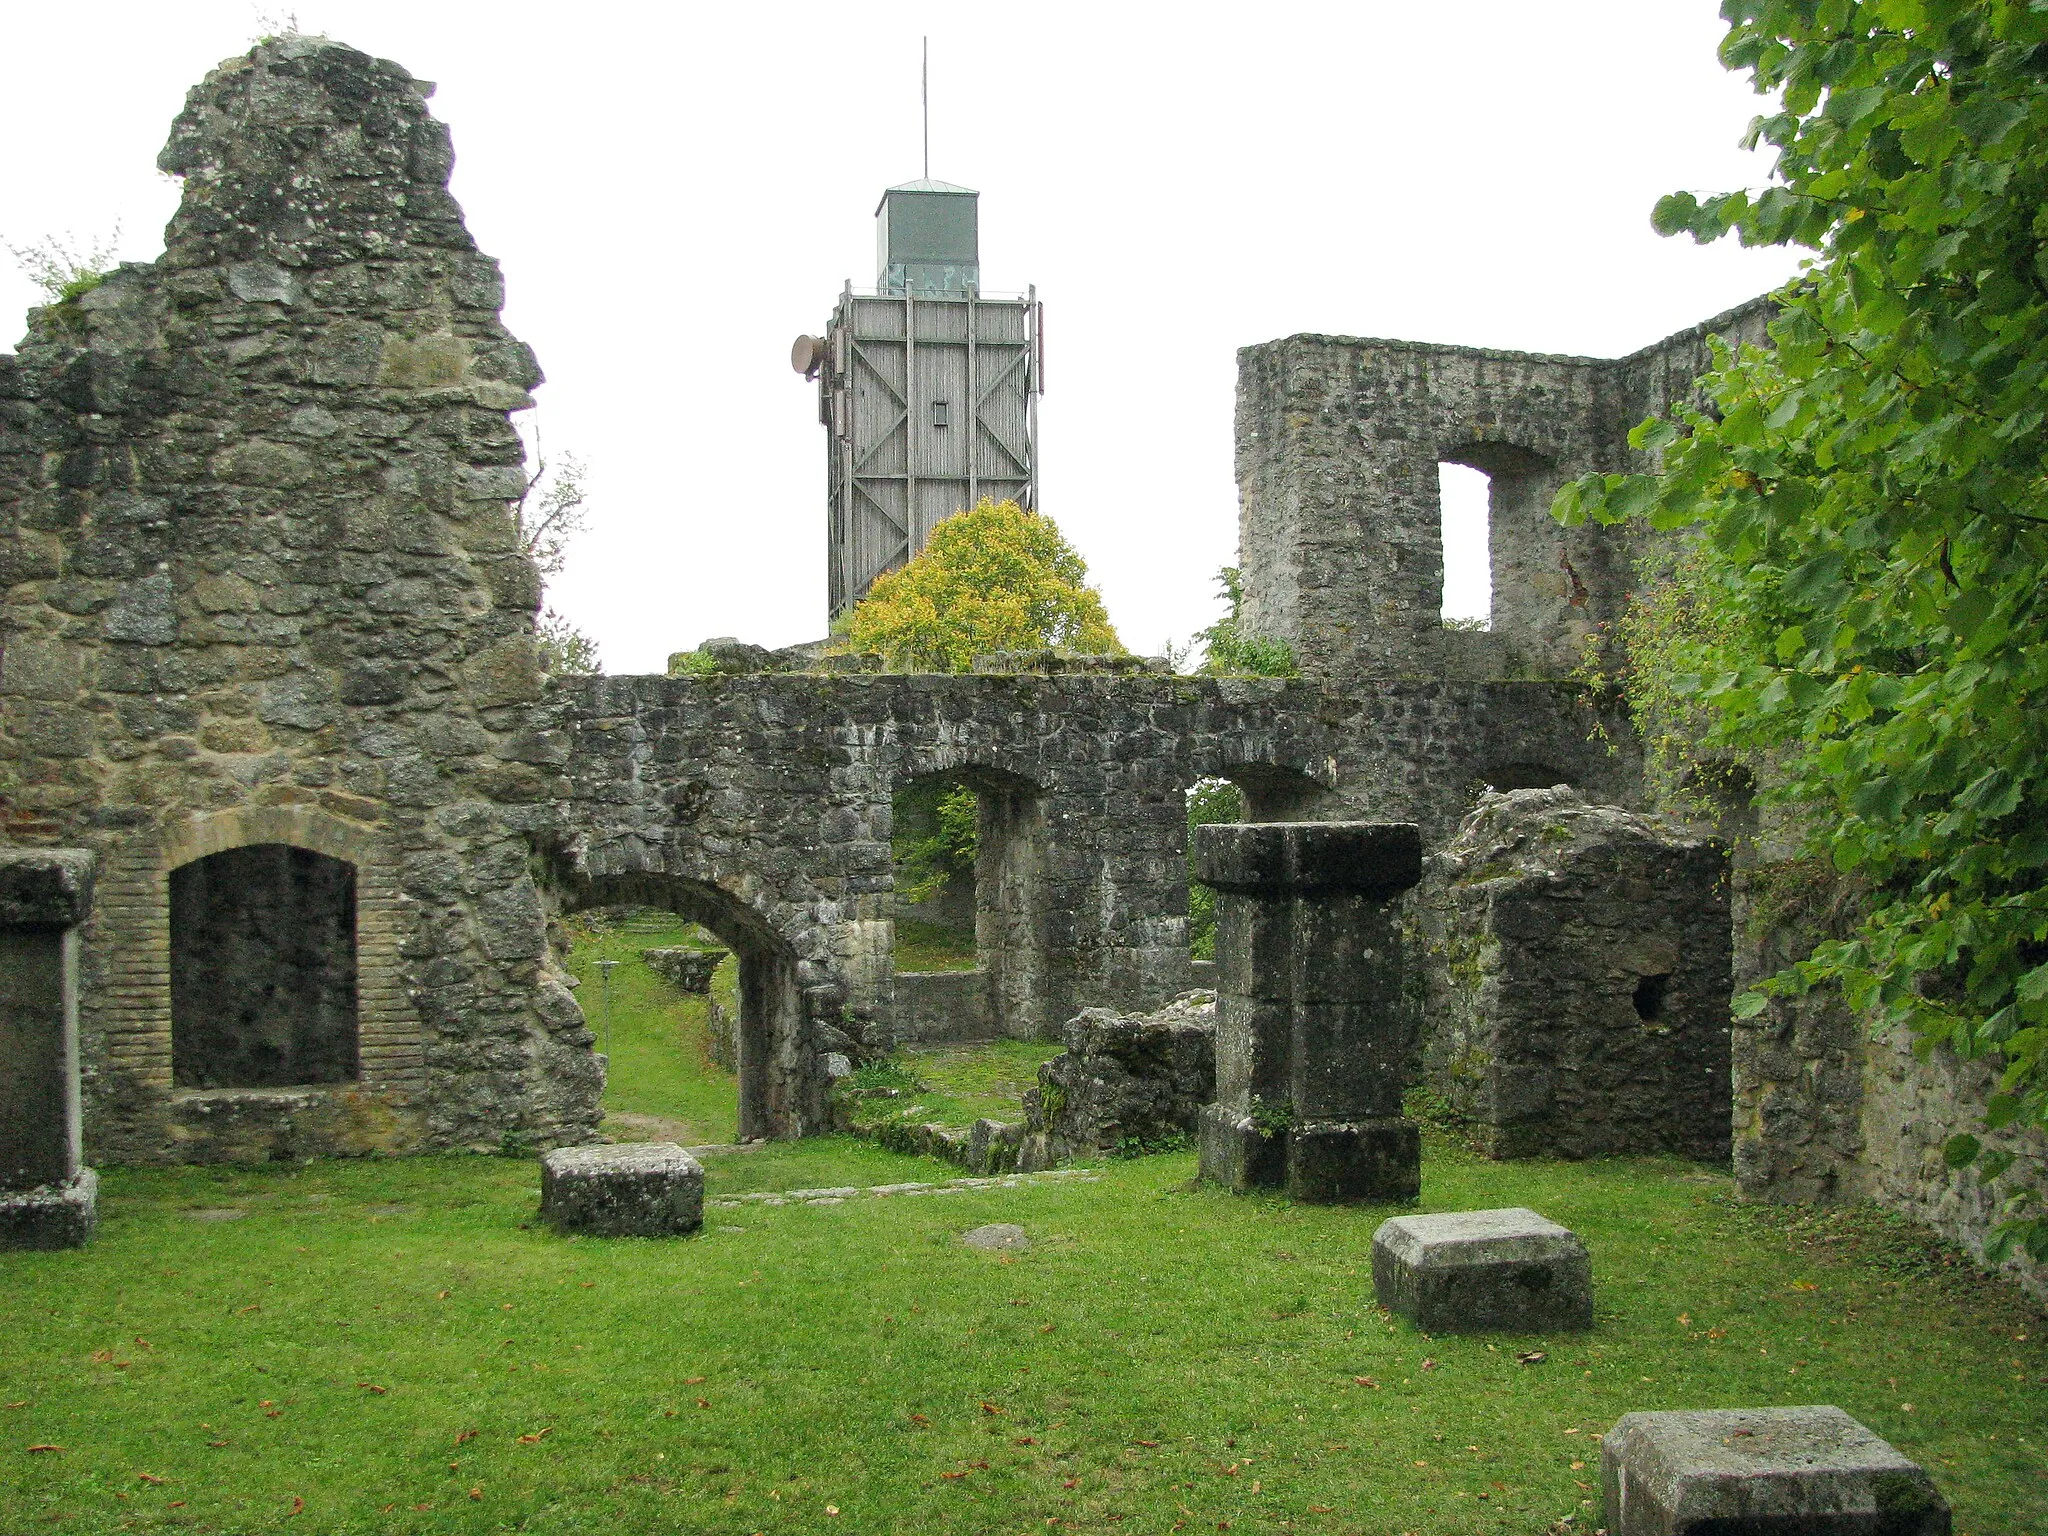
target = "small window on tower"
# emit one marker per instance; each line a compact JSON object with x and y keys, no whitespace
{"x":942,"y":414}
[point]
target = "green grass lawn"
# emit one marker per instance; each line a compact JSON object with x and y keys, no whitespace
{"x":398,"y":1345}
{"x":659,"y":1035}
{"x":965,"y":1083}
{"x":932,"y":947}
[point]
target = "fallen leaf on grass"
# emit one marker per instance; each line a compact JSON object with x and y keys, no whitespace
{"x":1804,"y":1285}
{"x":1024,"y":1440}
{"x":476,"y":1493}
{"x":440,"y":1295}
{"x":467,"y":1435}
{"x":1072,"y":1482}
{"x":139,"y":1339}
{"x":693,"y":1381}
{"x":1429,"y":1365}
{"x":254,"y":1306}
{"x":1321,"y":1509}
{"x":372,"y":1387}
{"x":949,"y":1476}
{"x":918,"y":1418}
{"x":703,"y":1402}
{"x":537,"y":1436}
{"x":1148,"y":1444}
{"x":35,"y":1449}
{"x":297,"y":1505}
{"x":152,"y":1479}
{"x":990,"y":1408}
{"x":216,"y":1444}
{"x":22,"y":1404}
{"x":1531,"y":1357}
{"x":831,"y":1509}
{"x":1045,"y":1328}
{"x":1365,"y":1381}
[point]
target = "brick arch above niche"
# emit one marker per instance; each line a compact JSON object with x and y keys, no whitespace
{"x":132,"y":920}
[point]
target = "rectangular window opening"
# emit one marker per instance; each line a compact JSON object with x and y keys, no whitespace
{"x":1463,"y":494}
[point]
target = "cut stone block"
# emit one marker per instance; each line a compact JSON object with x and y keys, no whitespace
{"x":650,"y":1189}
{"x":1507,"y":1271}
{"x":52,"y":1216}
{"x":1762,"y":1472}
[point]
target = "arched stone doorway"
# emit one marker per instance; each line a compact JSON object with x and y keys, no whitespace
{"x":777,"y":1087}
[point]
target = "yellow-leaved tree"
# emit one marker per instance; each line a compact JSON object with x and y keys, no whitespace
{"x":997,"y":578}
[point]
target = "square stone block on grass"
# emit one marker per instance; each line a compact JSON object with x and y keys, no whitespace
{"x":1762,"y":1472}
{"x":640,"y":1189}
{"x":1508,"y":1271}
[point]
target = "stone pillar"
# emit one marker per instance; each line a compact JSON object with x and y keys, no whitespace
{"x":46,"y":1199}
{"x":1310,"y":1034}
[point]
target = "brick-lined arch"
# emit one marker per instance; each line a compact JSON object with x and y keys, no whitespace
{"x":133,"y":919}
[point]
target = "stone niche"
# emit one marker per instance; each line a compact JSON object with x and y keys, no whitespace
{"x":1575,"y":980}
{"x":263,"y":969}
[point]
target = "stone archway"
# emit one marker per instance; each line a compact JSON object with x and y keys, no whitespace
{"x":779,"y":1095}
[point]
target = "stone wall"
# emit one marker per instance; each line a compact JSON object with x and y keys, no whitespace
{"x":259,"y":584}
{"x":938,"y":1007}
{"x":1827,"y":1108}
{"x":1339,"y":440}
{"x":1573,"y":961}
{"x":760,"y":805}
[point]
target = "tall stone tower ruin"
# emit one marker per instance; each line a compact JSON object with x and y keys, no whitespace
{"x":266,"y":647}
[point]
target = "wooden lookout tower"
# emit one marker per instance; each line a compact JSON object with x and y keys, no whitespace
{"x":928,"y":388}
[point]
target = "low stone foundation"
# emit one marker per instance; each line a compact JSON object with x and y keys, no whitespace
{"x":1508,"y":1271}
{"x":1140,"y":1079}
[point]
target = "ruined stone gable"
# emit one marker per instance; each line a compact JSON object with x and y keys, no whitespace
{"x":262,"y":587}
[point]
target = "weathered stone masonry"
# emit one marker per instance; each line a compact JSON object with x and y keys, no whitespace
{"x":262,"y":586}
{"x":760,"y":806}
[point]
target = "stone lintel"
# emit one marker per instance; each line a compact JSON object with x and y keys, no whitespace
{"x":45,"y":887}
{"x":1310,"y":858}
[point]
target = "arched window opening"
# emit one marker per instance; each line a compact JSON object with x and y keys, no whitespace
{"x":969,"y":850}
{"x":1249,"y":792}
{"x":1464,"y":496}
{"x":263,"y":969}
{"x":934,"y":843}
{"x":1210,"y":802}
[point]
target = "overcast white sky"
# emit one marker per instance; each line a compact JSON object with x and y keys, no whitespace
{"x":677,"y":191}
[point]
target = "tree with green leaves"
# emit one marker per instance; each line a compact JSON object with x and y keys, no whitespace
{"x":1867,"y":504}
{"x":552,"y":512}
{"x":1230,"y":650}
{"x":994,"y":578}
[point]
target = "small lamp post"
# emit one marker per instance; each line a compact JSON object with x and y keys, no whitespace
{"x":604,"y":973}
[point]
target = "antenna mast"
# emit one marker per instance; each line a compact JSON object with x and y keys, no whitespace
{"x":924,"y":91}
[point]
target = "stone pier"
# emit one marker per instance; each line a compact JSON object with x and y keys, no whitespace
{"x":47,"y":1200}
{"x":1310,"y":1034}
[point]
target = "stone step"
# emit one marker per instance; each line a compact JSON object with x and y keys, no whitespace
{"x":887,"y":1191}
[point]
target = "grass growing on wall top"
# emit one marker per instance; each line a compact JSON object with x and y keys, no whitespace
{"x":393,"y":1347}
